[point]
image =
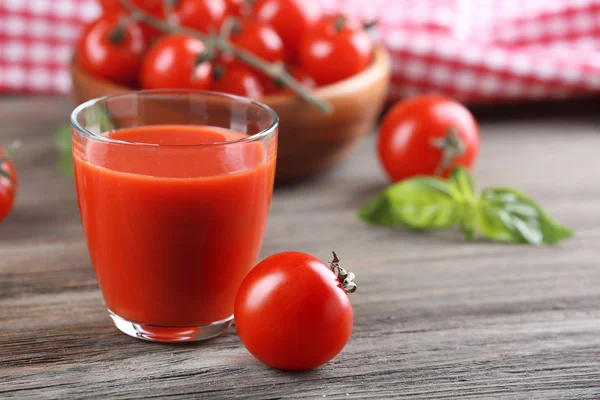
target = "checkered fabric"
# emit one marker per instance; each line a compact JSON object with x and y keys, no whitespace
{"x":474,"y":50}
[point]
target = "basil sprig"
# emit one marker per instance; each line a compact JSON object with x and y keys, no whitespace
{"x":62,"y":142}
{"x":97,"y":120}
{"x":500,"y":214}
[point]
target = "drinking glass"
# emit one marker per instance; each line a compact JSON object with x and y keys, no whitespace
{"x":174,"y":189}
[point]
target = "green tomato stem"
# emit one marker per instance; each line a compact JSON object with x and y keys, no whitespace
{"x":345,"y":277}
{"x":452,"y":147}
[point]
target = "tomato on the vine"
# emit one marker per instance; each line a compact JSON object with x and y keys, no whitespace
{"x":301,"y":76}
{"x":152,"y":7}
{"x":292,"y":310}
{"x":238,"y":80}
{"x":172,"y":63}
{"x":238,"y":8}
{"x":260,"y":39}
{"x":112,"y":48}
{"x":291,"y":19}
{"x":335,"y":48}
{"x":202,"y":15}
{"x":8,"y":185}
{"x":427,"y":135}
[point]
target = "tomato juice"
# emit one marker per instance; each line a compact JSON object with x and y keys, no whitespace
{"x":173,"y":220}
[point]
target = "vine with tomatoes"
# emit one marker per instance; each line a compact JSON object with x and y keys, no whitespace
{"x":242,"y":47}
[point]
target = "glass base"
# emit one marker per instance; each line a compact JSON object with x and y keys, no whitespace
{"x":170,"y":334}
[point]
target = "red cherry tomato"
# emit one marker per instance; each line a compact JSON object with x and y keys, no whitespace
{"x":272,"y":87}
{"x":292,"y":313}
{"x":202,"y":15}
{"x":239,"y":81}
{"x":8,"y":185}
{"x":238,"y":8}
{"x":171,"y":63}
{"x":114,"y":6}
{"x":260,"y":39}
{"x":334,"y":49}
{"x":152,"y":7}
{"x":112,"y":49}
{"x":291,"y":19}
{"x":427,"y":135}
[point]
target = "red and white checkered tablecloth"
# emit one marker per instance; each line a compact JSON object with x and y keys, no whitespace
{"x":474,"y":50}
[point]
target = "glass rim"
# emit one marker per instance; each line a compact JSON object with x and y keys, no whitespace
{"x":107,"y":139}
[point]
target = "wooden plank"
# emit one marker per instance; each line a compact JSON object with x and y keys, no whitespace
{"x":435,"y":318}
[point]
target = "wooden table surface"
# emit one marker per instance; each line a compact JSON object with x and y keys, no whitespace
{"x":435,"y":318}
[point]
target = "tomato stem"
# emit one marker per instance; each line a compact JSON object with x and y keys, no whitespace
{"x":452,"y":147}
{"x":208,"y":55}
{"x":117,"y":34}
{"x":218,"y":72}
{"x":275,"y":71}
{"x":10,"y":150}
{"x":345,"y":277}
{"x":339,"y":23}
{"x":7,"y":155}
{"x":231,"y":26}
{"x":168,"y":6}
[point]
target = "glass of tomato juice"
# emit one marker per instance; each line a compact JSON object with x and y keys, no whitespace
{"x":174,"y":189}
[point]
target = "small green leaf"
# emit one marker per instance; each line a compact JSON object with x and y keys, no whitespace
{"x":97,"y":120}
{"x":65,"y":165}
{"x":379,"y":211}
{"x":461,"y":183}
{"x":463,"y":191}
{"x":468,"y":224}
{"x":504,"y":214}
{"x":420,"y":203}
{"x":62,"y":142}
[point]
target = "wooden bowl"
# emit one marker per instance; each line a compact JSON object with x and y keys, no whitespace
{"x":309,"y":141}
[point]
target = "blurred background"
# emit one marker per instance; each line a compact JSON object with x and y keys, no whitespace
{"x":478,"y":51}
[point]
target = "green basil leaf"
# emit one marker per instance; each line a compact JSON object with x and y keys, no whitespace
{"x":461,"y":183}
{"x":379,"y":211}
{"x":97,"y":120}
{"x":463,"y":191}
{"x":505,"y":214}
{"x":62,"y":142}
{"x":468,"y":223}
{"x":420,"y":203}
{"x":65,"y":165}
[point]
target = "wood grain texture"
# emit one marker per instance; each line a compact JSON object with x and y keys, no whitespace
{"x":435,"y":318}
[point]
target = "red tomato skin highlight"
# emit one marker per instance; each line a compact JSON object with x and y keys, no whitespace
{"x":152,"y":7}
{"x":408,"y":128}
{"x":117,"y":62}
{"x":329,"y":55}
{"x":260,"y":39}
{"x":291,"y":19}
{"x":7,"y":197}
{"x":238,"y":8}
{"x":240,"y":81}
{"x":8,"y":187}
{"x":171,"y":64}
{"x":202,"y":15}
{"x":291,"y":312}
